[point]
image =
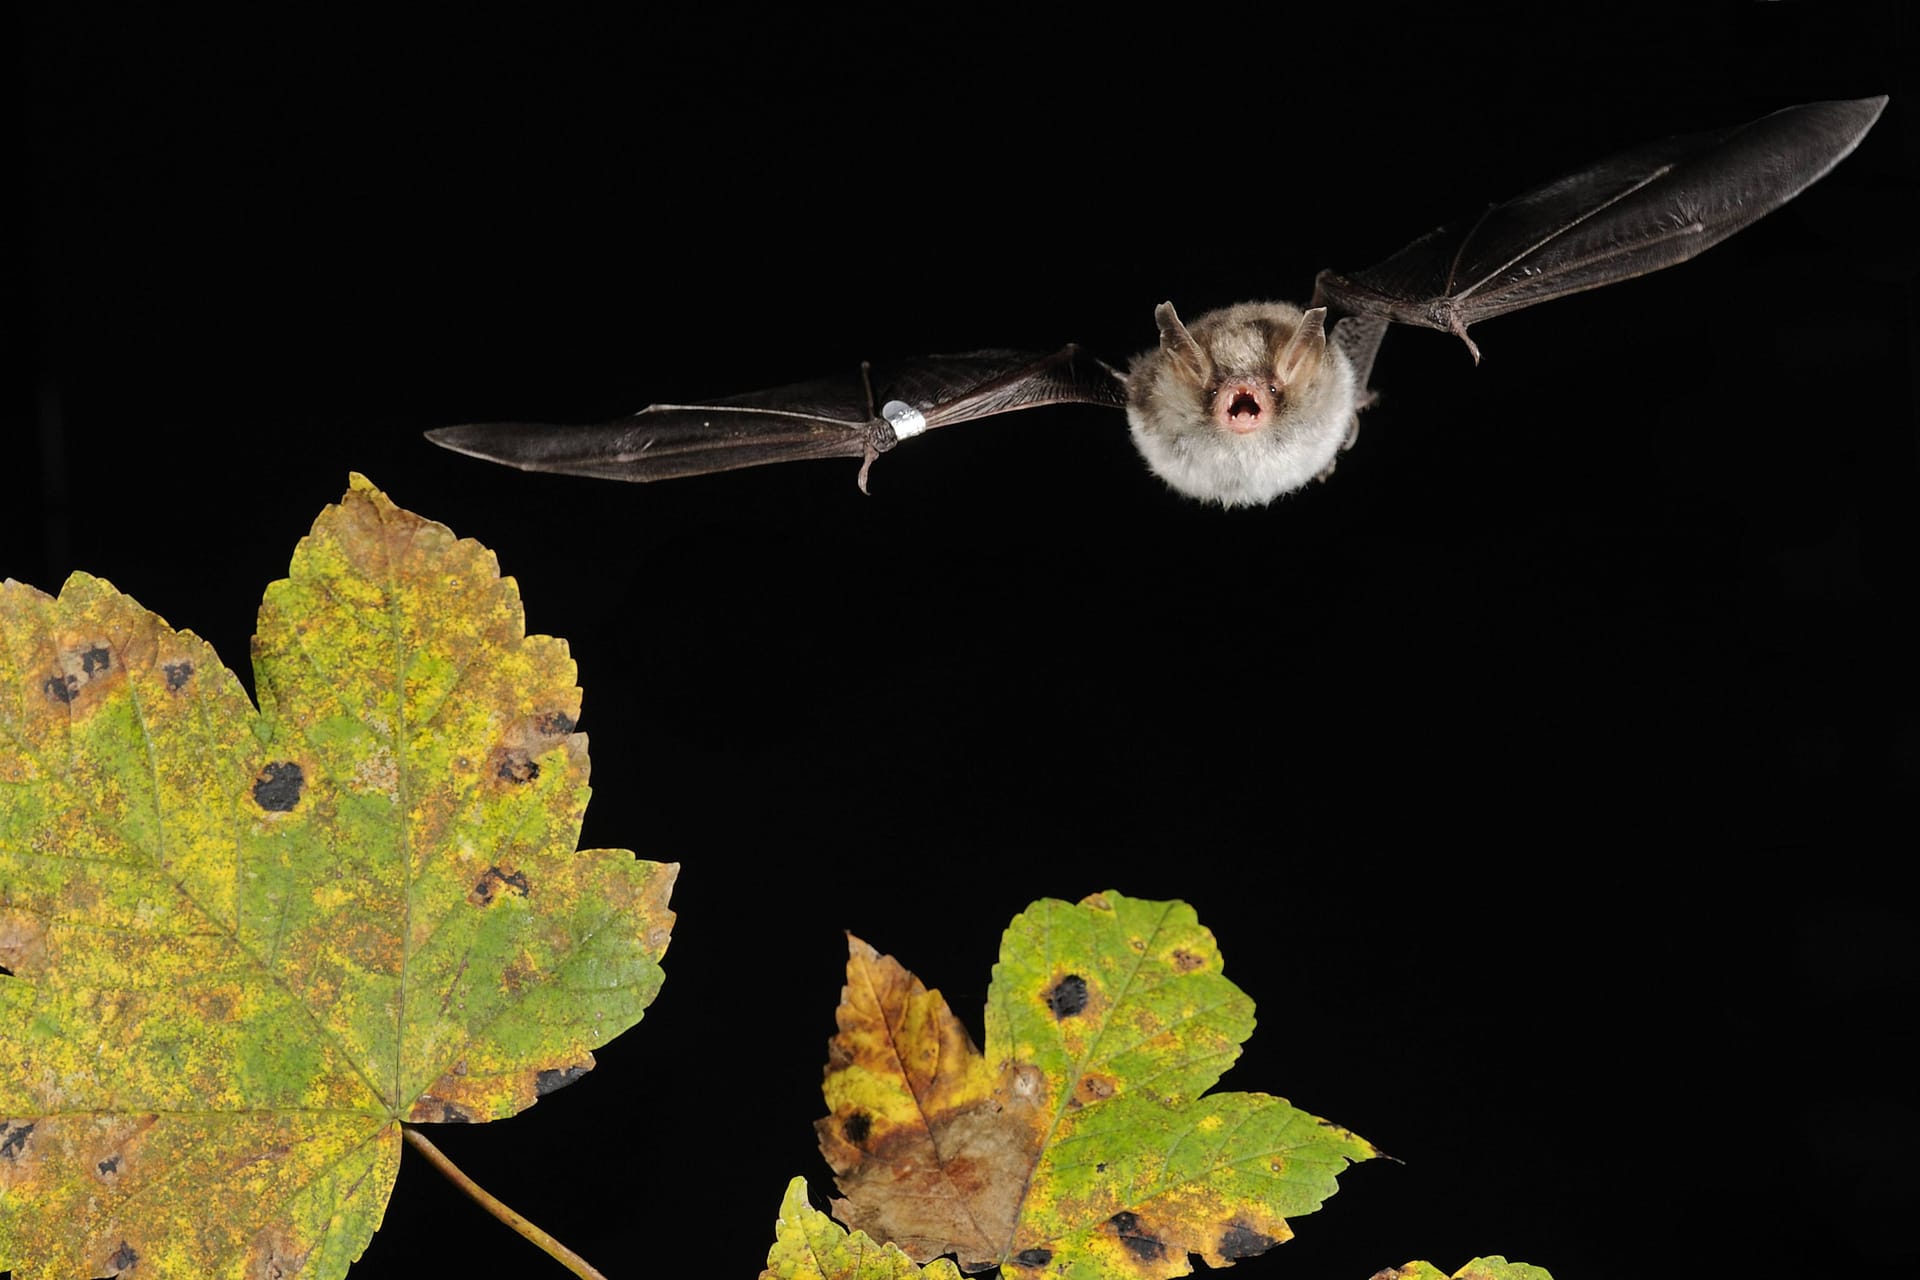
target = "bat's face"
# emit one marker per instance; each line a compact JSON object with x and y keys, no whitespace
{"x":1246,"y":404}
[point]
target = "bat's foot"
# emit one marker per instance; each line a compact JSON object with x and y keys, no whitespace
{"x":1353,"y":435}
{"x":866,"y":465}
{"x":1459,"y":330}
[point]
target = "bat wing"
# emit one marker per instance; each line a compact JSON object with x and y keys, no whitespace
{"x":860,"y":415}
{"x":1632,"y":213}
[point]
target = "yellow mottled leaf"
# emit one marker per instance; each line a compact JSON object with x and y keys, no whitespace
{"x":243,"y":946}
{"x":1494,"y":1268}
{"x":808,"y":1245}
{"x":1083,"y":1142}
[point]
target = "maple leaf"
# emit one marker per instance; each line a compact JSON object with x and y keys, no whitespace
{"x":1083,"y":1142}
{"x":808,"y":1245}
{"x":244,"y":946}
{"x":1494,"y":1268}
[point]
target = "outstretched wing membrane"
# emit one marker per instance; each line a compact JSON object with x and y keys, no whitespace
{"x":858,"y":415}
{"x":1632,"y":213}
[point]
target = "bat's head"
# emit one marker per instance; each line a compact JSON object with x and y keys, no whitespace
{"x":1247,"y":403}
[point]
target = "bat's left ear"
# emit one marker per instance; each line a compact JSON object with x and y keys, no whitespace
{"x":1300,"y":359}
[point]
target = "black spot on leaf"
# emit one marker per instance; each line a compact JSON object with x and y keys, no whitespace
{"x":177,"y":673}
{"x":550,"y":1081}
{"x":277,"y":788}
{"x":1135,"y":1237}
{"x":517,"y":767}
{"x":1242,"y":1241}
{"x":1068,"y":997}
{"x":857,"y":1127}
{"x":451,"y":1114}
{"x":110,"y":1165}
{"x":555,"y":724}
{"x":493,"y":880}
{"x":61,"y":688}
{"x":97,"y":658}
{"x":1033,"y":1257}
{"x":13,"y":1139}
{"x":122,"y":1258}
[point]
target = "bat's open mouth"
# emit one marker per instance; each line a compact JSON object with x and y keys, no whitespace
{"x":1242,"y":406}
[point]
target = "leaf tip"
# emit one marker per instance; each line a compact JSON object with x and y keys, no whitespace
{"x":795,"y":1200}
{"x":27,"y":591}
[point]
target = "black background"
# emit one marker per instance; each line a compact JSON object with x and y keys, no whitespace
{"x":1540,"y":775}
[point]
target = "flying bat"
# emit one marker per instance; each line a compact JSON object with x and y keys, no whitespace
{"x":1254,"y":400}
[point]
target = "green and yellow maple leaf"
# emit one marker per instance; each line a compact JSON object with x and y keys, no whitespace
{"x":808,"y":1245}
{"x":1494,"y":1268}
{"x":1082,"y":1143}
{"x":245,"y":946}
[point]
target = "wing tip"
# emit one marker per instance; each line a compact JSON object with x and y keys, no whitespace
{"x":1872,"y":109}
{"x":1873,"y":104}
{"x":1852,"y":118}
{"x":455,"y":439}
{"x":490,"y":442}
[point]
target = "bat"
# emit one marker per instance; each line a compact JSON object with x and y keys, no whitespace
{"x":1254,"y":400}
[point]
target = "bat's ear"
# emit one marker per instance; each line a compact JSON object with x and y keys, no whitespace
{"x":1180,"y":347}
{"x":1300,"y":359}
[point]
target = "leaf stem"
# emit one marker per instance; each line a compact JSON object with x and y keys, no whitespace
{"x":544,"y":1242}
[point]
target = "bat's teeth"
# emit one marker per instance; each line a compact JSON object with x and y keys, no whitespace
{"x":1240,"y":407}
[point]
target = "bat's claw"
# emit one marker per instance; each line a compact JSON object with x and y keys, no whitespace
{"x":1459,"y":330}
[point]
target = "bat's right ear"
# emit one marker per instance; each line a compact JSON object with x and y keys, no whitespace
{"x":1181,"y":349}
